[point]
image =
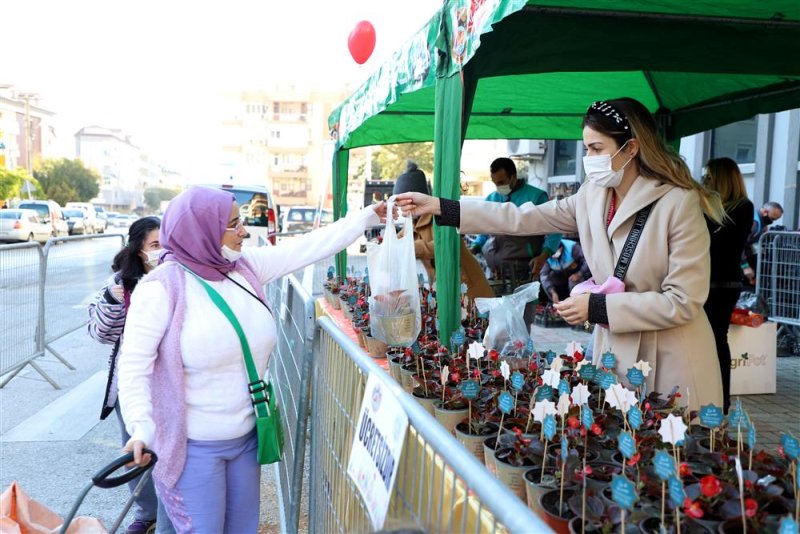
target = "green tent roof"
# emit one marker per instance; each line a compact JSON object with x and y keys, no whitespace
{"x":539,"y":64}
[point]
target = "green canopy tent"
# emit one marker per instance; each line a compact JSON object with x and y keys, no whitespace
{"x":518,"y":69}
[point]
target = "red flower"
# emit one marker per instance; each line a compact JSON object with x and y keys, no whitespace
{"x":578,"y":356}
{"x":684,"y":470}
{"x":573,"y":422}
{"x":495,"y":373}
{"x":494,"y":355}
{"x":518,"y":431}
{"x":588,"y":470}
{"x":748,"y":485}
{"x":634,"y":459}
{"x":710,"y":486}
{"x":750,"y":507}
{"x":455,"y":377}
{"x":780,"y":451}
{"x":692,"y":509}
{"x":647,"y":406}
{"x":596,"y":429}
{"x":533,"y":366}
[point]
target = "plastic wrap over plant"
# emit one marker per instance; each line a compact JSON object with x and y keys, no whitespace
{"x":507,"y":333}
{"x":394,"y":309}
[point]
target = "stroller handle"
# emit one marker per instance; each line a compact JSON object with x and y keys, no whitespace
{"x":101,"y":478}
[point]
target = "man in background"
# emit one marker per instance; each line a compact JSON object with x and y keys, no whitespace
{"x":768,"y":214}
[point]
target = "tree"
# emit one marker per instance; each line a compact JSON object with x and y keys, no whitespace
{"x":67,"y":180}
{"x":11,"y":182}
{"x":153,"y":196}
{"x":392,"y":159}
{"x":361,"y":171}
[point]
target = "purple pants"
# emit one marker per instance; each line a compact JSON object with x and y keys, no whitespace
{"x":219,"y":489}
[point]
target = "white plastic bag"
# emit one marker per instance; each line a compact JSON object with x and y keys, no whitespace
{"x":394,"y":309}
{"x":506,"y":332}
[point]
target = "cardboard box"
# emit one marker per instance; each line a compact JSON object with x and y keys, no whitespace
{"x":753,"y":359}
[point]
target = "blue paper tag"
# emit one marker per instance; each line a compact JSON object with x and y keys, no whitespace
{"x":587,"y":418}
{"x":483,"y":315}
{"x":415,"y":348}
{"x":505,"y":402}
{"x":588,"y":372}
{"x":544,"y":392}
{"x":751,"y":436}
{"x":607,"y":380}
{"x":711,"y":416}
{"x":463,"y":289}
{"x":635,"y":417}
{"x":563,"y":387}
{"x":609,"y":360}
{"x":517,"y":380}
{"x":736,"y":415}
{"x":352,"y":300}
{"x":366,"y":280}
{"x":529,"y":346}
{"x":549,"y":427}
{"x":564,"y":448}
{"x":626,"y":445}
{"x":787,"y":526}
{"x":550,"y":356}
{"x":430,"y":299}
{"x":635,"y":377}
{"x":331,"y":272}
{"x":790,"y":446}
{"x":676,"y":493}
{"x":623,"y":492}
{"x":664,"y":465}
{"x":457,"y":339}
{"x":470,"y":389}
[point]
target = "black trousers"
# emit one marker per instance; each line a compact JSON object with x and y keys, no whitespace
{"x":719,"y":307}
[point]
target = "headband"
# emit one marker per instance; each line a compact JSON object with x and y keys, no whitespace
{"x":606,"y":109}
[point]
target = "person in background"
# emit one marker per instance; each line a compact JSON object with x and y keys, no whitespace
{"x":515,"y":253}
{"x":471,"y":273}
{"x":768,"y":214}
{"x":565,"y":269}
{"x":658,"y":316}
{"x":182,"y":383}
{"x":728,"y":242}
{"x":107,"y":314}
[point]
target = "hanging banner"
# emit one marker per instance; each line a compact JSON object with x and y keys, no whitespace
{"x":377,"y":445}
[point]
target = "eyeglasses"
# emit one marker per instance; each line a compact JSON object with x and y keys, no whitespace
{"x":236,"y":228}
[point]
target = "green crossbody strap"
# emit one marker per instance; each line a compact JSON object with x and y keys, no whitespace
{"x":257,"y":387}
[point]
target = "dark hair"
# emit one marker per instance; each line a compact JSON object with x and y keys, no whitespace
{"x":127,"y":261}
{"x":504,"y":164}
{"x":772,"y":205}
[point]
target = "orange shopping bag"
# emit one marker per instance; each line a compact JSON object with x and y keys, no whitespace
{"x":19,"y":514}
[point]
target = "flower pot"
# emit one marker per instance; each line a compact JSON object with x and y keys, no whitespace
{"x":395,"y":364}
{"x":554,"y":453}
{"x":425,"y":402}
{"x":536,"y":486}
{"x":488,"y":454}
{"x":336,"y":301}
{"x":642,"y":509}
{"x":511,"y":475}
{"x":474,"y":442}
{"x":652,"y":525}
{"x":449,"y":418}
{"x":362,"y":339}
{"x":407,"y":379}
{"x":399,"y":329}
{"x":376,"y":347}
{"x":601,"y":475}
{"x":576,"y":527}
{"x":548,"y":502}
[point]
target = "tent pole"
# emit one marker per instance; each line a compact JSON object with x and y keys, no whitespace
{"x":341,"y":163}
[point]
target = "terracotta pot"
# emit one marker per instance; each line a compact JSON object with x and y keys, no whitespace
{"x":425,"y":402}
{"x":376,"y":347}
{"x":535,"y":487}
{"x":474,"y":442}
{"x":512,"y":475}
{"x":449,"y":418}
{"x":548,"y":502}
{"x":488,"y":454}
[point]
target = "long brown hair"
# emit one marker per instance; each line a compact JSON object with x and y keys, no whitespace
{"x":724,"y":177}
{"x":656,"y":160}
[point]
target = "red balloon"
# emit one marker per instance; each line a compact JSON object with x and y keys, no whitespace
{"x":361,"y":42}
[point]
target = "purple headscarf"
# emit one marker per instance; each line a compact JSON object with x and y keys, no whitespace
{"x":192,"y":230}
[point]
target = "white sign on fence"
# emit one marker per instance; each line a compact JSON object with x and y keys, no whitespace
{"x":377,"y":445}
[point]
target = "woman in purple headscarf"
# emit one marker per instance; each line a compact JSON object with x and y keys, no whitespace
{"x":183,"y":388}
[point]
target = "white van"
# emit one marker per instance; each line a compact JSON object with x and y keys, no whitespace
{"x":90,"y":226}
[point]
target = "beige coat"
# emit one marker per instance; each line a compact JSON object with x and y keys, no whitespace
{"x":660,"y":317}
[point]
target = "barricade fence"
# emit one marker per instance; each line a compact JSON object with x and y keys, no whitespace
{"x":289,"y":371}
{"x":778,"y":283}
{"x":440,"y":486}
{"x":42,"y":287}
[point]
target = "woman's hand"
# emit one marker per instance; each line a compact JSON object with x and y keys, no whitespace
{"x":138,"y":457}
{"x":380,"y":210}
{"x":574,"y":310}
{"x":416,"y":204}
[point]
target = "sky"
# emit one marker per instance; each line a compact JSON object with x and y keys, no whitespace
{"x":155,"y":68}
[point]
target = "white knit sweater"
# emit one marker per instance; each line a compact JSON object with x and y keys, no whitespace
{"x":218,"y":405}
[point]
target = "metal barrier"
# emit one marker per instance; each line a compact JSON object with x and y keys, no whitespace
{"x":289,"y":370}
{"x":440,"y":487}
{"x":75,"y":271}
{"x":21,"y":318}
{"x":778,"y":282}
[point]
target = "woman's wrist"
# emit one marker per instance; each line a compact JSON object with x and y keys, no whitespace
{"x":438,"y":207}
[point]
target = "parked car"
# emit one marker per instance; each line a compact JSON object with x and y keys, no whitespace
{"x":50,"y":212}
{"x":124,"y":220}
{"x":102,"y":219}
{"x":23,"y":225}
{"x":301,"y":218}
{"x":257,"y":210}
{"x":91,"y":225}
{"x":76,"y":220}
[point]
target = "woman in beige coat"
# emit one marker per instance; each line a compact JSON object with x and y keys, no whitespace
{"x":659,"y":318}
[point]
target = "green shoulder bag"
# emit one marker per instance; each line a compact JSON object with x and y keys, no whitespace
{"x":268,"y":416}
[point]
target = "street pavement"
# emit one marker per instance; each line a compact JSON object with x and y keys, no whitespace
{"x":52,"y":441}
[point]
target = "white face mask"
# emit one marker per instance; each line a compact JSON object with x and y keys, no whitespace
{"x":504,"y":190}
{"x":229,"y":254}
{"x":152,"y":258}
{"x":599,"y":171}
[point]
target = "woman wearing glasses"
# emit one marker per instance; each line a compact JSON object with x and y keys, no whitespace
{"x":182,"y":380}
{"x":654,"y":312}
